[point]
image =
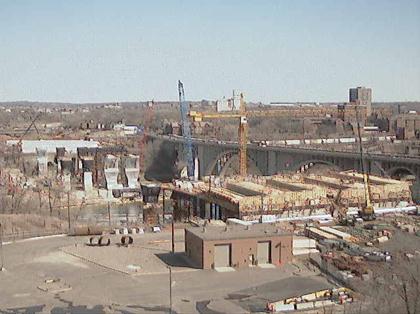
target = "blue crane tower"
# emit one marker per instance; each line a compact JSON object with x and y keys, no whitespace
{"x":186,"y":131}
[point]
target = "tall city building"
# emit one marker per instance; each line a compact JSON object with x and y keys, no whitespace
{"x":361,"y":96}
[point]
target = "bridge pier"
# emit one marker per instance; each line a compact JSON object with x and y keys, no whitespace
{"x":271,"y":163}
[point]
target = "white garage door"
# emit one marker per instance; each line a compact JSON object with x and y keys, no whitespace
{"x":263,"y":252}
{"x":222,"y":255}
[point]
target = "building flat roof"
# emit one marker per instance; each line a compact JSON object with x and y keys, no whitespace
{"x":30,"y":146}
{"x":246,"y":188}
{"x":215,"y":233}
{"x":282,"y":184}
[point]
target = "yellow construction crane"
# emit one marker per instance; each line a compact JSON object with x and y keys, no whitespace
{"x":242,"y":130}
{"x":367,"y":212}
{"x":242,"y":114}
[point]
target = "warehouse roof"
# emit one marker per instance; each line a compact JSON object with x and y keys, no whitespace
{"x":214,"y":233}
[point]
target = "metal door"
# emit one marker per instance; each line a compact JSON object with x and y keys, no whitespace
{"x":222,"y":255}
{"x":263,"y":252}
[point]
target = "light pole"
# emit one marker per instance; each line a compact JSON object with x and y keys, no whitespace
{"x":170,"y":289}
{"x":173,"y":233}
{"x":1,"y":248}
{"x":68,"y":208}
{"x":172,"y":221}
{"x":109,"y":215}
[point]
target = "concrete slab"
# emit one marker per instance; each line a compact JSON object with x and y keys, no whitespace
{"x":54,"y":286}
{"x":266,"y":266}
{"x":257,"y":297}
{"x":28,"y":266}
{"x":60,"y":258}
{"x":224,"y":269}
{"x":136,"y":259}
{"x":225,"y":306}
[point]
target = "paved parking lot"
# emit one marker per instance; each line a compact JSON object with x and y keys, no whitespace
{"x":144,"y":256}
{"x":98,"y":289}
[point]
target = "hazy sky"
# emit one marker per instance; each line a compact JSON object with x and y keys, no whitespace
{"x":85,"y":51}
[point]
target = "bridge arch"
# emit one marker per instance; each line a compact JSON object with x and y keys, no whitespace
{"x":377,"y":165}
{"x":306,"y":164}
{"x":212,"y":165}
{"x":398,"y":170}
{"x":226,"y":159}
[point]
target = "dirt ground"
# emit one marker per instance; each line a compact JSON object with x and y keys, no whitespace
{"x":30,"y":224}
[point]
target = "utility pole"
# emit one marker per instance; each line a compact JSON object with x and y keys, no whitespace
{"x":163,"y":204}
{"x":170,"y":289}
{"x":1,"y":248}
{"x":109,"y":215}
{"x":209,"y":183}
{"x":172,"y":221}
{"x":68,"y":208}
{"x":173,"y":233}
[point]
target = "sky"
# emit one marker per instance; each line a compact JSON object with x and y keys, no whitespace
{"x":97,"y":51}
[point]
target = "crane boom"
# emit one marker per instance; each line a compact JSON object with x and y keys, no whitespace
{"x":242,"y":114}
{"x":29,"y":128}
{"x":242,"y":129}
{"x":186,"y":130}
{"x":294,"y":113}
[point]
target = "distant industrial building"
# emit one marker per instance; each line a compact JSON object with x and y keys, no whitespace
{"x":238,"y":246}
{"x":361,"y":96}
{"x":230,"y":104}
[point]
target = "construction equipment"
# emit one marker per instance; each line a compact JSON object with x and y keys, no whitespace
{"x":367,"y":212}
{"x":242,"y":130}
{"x":17,"y":149}
{"x":32,"y":124}
{"x":243,"y":116}
{"x":339,"y":210}
{"x":186,"y":131}
{"x":143,"y":140}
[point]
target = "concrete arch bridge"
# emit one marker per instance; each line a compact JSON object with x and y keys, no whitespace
{"x":221,"y":158}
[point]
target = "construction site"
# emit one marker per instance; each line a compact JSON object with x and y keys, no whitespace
{"x":346,"y":226}
{"x":209,"y":157}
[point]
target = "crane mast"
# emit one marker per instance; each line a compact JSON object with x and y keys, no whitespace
{"x":186,"y":131}
{"x":367,"y":211}
{"x":243,"y":138}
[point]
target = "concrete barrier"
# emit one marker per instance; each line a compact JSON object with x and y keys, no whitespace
{"x":126,"y":240}
{"x":104,"y":241}
{"x":305,"y":306}
{"x":93,"y":241}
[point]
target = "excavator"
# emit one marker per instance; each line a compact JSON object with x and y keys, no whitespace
{"x":339,"y":210}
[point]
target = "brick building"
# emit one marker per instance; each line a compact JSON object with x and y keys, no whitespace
{"x":351,"y":112}
{"x":407,"y":126}
{"x":238,"y":246}
{"x":361,"y":96}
